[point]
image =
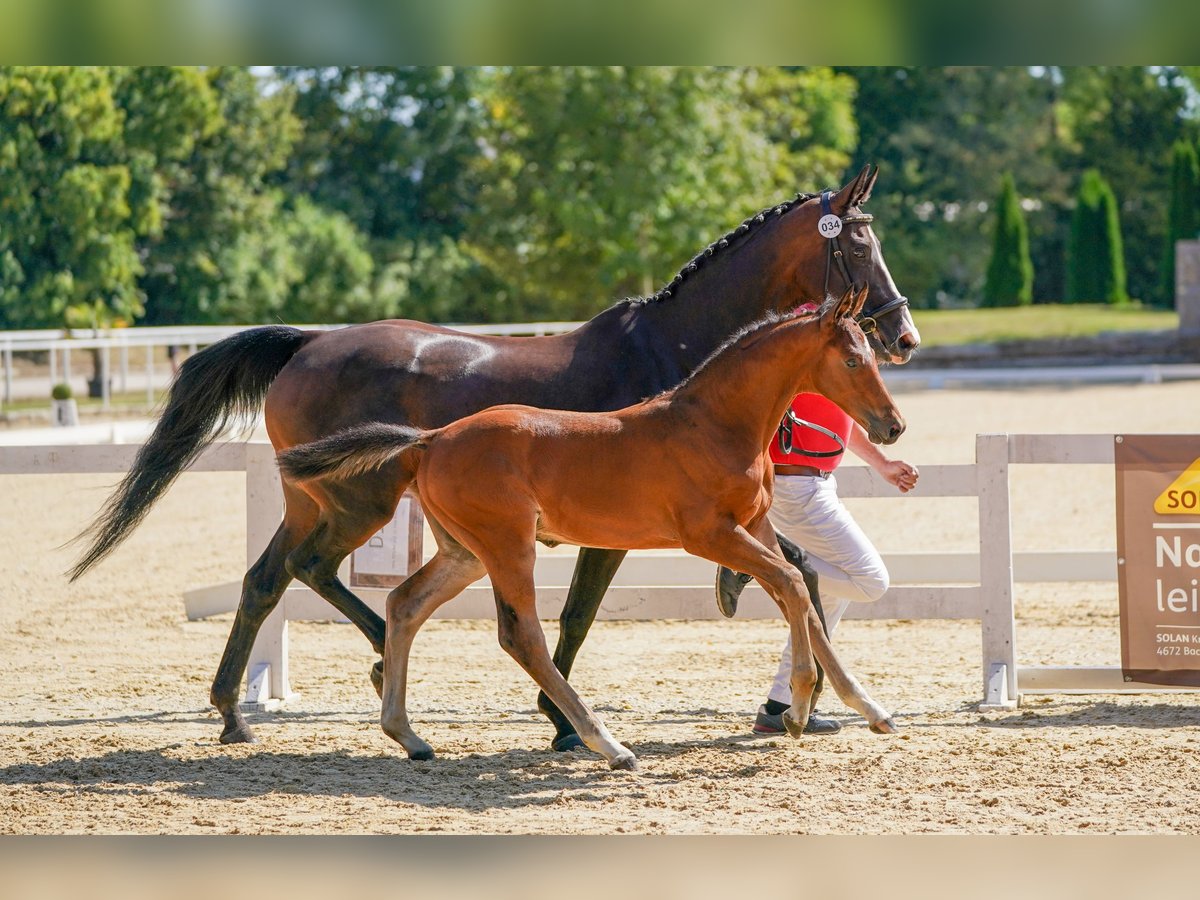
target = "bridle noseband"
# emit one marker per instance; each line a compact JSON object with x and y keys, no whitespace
{"x":868,"y":320}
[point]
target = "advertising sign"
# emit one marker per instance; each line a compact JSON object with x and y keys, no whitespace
{"x":1158,"y":557}
{"x":394,"y":552}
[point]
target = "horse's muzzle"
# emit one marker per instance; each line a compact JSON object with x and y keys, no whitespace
{"x":886,"y":430}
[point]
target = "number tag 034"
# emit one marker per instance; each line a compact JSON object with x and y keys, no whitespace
{"x":830,"y":226}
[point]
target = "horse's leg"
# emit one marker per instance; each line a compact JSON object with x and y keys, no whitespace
{"x":796,"y":555}
{"x":594,"y":571}
{"x":522,"y":638}
{"x":315,"y":562}
{"x":262,"y":587}
{"x":450,"y":570}
{"x":755,"y":551}
{"x":845,"y":684}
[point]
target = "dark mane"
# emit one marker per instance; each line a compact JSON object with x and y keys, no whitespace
{"x":735,"y":236}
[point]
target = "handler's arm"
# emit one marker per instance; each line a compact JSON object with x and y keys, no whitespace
{"x":894,"y":471}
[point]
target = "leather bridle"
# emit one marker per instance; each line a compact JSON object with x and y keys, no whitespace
{"x":868,"y":320}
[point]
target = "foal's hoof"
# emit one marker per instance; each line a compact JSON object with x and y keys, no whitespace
{"x":626,"y":761}
{"x":885,"y":726}
{"x":794,"y":727}
{"x":423,"y":755}
{"x":377,"y":678}
{"x":568,"y":742}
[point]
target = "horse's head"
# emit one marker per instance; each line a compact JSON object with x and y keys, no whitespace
{"x":836,"y":249}
{"x":847,"y":372}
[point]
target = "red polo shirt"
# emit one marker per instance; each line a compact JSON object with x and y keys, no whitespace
{"x":819,"y":410}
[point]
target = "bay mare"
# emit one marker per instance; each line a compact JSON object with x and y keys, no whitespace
{"x":312,"y":384}
{"x":686,"y":469}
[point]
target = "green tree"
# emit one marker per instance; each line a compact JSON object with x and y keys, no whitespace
{"x":396,"y":150}
{"x":331,"y":269}
{"x":938,"y":141}
{"x":222,"y":253}
{"x":1123,"y":121}
{"x":598,"y":182}
{"x":1010,"y":272}
{"x":1183,"y":216}
{"x":72,"y":207}
{"x":1095,"y":259}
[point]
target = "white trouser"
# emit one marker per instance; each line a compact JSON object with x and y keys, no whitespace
{"x":807,"y":510}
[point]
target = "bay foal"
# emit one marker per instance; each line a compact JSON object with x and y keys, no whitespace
{"x":687,"y":468}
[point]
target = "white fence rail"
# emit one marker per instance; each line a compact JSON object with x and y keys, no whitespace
{"x":972,"y":586}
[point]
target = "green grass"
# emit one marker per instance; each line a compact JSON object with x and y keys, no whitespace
{"x":940,"y":327}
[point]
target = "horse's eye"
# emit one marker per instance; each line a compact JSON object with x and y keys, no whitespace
{"x":852,"y":363}
{"x":860,"y":252}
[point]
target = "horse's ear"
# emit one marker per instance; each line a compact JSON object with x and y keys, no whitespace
{"x":848,"y":305}
{"x":860,"y":298}
{"x":866,"y":191}
{"x":853,"y":193}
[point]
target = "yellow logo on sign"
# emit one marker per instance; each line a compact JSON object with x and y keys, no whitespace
{"x":1182,"y":498}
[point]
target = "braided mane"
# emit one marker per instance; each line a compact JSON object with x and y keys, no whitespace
{"x":717,"y":246}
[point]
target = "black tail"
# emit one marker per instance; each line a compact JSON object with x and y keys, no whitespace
{"x":350,"y":452}
{"x":221,"y":384}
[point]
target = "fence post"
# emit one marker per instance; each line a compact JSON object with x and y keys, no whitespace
{"x":8,"y":373}
{"x":996,"y":572}
{"x":105,"y":379}
{"x":267,"y":668}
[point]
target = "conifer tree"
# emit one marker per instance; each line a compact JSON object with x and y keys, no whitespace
{"x":1010,"y":272}
{"x":1183,"y":216}
{"x":1095,"y":258}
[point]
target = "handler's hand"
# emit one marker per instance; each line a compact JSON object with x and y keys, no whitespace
{"x":901,"y":474}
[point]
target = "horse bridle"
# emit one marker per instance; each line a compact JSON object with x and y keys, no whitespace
{"x":868,"y":321}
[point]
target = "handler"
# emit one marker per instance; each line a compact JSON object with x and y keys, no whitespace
{"x":806,"y":510}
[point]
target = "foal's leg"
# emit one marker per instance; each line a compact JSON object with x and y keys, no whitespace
{"x":796,"y":555}
{"x":755,"y":551}
{"x":594,"y":571}
{"x":450,"y":570}
{"x":845,"y":685}
{"x":522,"y":637}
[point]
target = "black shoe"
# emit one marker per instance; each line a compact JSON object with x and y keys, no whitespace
{"x":767,"y":724}
{"x":729,"y":588}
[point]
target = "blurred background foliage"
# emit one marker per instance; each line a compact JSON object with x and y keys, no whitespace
{"x":163,"y":195}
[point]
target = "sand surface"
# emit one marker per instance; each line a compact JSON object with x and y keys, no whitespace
{"x":105,"y":725}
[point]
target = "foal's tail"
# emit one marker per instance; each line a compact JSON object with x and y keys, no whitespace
{"x":216,"y":387}
{"x":350,"y":452}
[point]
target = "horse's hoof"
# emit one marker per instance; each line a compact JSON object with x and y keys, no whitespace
{"x":423,"y":755}
{"x":885,"y":726}
{"x":377,"y":678}
{"x":568,"y":742}
{"x":794,"y":728}
{"x":240,"y":734}
{"x":626,"y":762}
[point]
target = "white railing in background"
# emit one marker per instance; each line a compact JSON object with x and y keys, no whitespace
{"x":972,"y":586}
